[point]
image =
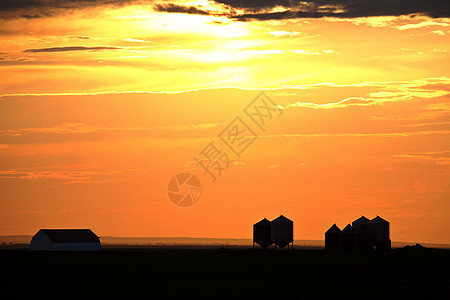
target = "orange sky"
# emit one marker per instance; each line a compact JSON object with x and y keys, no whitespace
{"x":101,"y":106}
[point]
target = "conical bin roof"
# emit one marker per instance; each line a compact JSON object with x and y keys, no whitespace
{"x":333,"y":230}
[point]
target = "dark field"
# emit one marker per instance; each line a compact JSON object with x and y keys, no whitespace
{"x":191,"y":273}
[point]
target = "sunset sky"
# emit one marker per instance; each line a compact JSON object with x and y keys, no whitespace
{"x":101,"y":104}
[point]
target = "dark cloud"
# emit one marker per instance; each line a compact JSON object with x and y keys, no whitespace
{"x":32,"y":9}
{"x":72,"y":48}
{"x":257,"y":4}
{"x":252,"y":9}
{"x":260,"y":9}
{"x":293,"y":9}
{"x":12,"y":5}
{"x":31,"y":16}
{"x":81,"y":37}
{"x":174,"y":8}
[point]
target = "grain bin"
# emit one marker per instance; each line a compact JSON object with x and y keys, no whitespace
{"x":332,"y":238}
{"x":262,"y":233}
{"x":282,"y":231}
{"x":364,"y":238}
{"x":361,"y":222}
{"x":347,"y":238}
{"x":380,"y":228}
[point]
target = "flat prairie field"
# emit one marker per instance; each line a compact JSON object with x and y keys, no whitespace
{"x":225,"y":273}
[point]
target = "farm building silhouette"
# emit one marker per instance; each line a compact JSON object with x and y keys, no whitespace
{"x":65,"y":240}
{"x":332,"y":238}
{"x":262,"y":234}
{"x":363,"y":235}
{"x":278,"y":232}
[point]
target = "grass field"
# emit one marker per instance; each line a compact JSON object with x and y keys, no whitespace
{"x":214,"y":273}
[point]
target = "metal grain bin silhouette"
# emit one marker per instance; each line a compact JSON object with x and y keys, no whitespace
{"x":380,"y":228}
{"x":361,"y":222}
{"x":282,"y":231}
{"x":347,"y":238}
{"x":364,"y":237}
{"x":332,"y":238}
{"x":262,"y":233}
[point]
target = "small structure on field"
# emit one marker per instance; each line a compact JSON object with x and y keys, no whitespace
{"x":380,"y":227}
{"x":332,"y":238}
{"x":347,"y":238}
{"x":262,"y":234}
{"x":282,"y":231}
{"x":65,"y":240}
{"x":279,"y":231}
{"x":364,"y":237}
{"x":363,"y":234}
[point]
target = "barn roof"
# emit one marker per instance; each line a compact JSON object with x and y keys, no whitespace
{"x":333,"y":229}
{"x":71,"y":235}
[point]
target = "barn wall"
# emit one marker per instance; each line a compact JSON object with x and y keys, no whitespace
{"x":40,"y":242}
{"x":75,"y":247}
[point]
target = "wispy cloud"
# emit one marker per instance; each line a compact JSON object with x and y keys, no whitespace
{"x":188,"y":127}
{"x":29,"y":212}
{"x":192,"y":165}
{"x":69,"y":176}
{"x":426,"y":124}
{"x":351,"y":101}
{"x":135,"y":40}
{"x":81,"y":128}
{"x":424,"y":83}
{"x":409,"y":215}
{"x":111,"y":210}
{"x":426,"y":23}
{"x":119,"y":210}
{"x":67,"y":128}
{"x":113,"y":92}
{"x":274,"y":166}
{"x":284,"y":33}
{"x":80,"y":37}
{"x":368,"y":134}
{"x":72,"y":48}
{"x":438,"y":32}
{"x":438,"y":157}
{"x":305,"y":52}
{"x":401,"y":22}
{"x":391,"y":91}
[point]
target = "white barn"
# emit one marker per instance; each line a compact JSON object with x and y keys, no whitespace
{"x":65,"y":240}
